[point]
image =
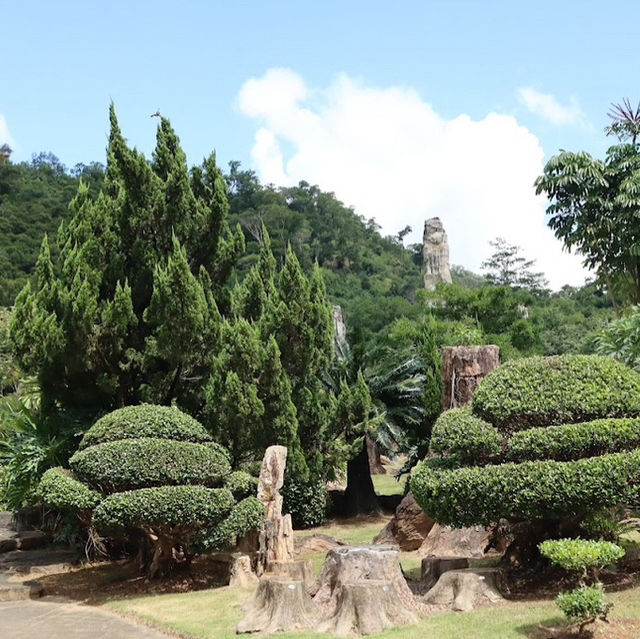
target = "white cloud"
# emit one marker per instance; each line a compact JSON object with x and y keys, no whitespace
{"x":5,"y":136}
{"x":548,"y":108}
{"x":391,"y":156}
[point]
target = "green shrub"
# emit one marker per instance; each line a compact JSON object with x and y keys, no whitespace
{"x":246,"y":516}
{"x":544,"y":391}
{"x":307,"y":503}
{"x":581,"y":554}
{"x":585,"y":604}
{"x":530,"y":490}
{"x":60,"y":489}
{"x":241,"y":484}
{"x":184,"y":506}
{"x":460,"y":434}
{"x":137,"y":463}
{"x":145,"y":420}
{"x":573,"y":441}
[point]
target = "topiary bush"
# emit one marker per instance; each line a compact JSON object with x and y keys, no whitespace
{"x":586,"y":603}
{"x":547,"y":443}
{"x":307,"y":503}
{"x":154,"y":471}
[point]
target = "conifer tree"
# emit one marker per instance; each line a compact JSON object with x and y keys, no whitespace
{"x":132,"y":310}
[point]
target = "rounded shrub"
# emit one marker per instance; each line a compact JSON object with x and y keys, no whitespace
{"x":543,"y":391}
{"x":153,"y":473}
{"x":584,"y":604}
{"x":164,"y":506}
{"x":136,"y":463}
{"x":62,"y":490}
{"x":550,"y":441}
{"x":581,"y":554}
{"x":145,"y":420}
{"x":458,"y":433}
{"x":241,"y":484}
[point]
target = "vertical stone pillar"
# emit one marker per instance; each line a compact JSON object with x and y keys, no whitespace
{"x":435,"y":254}
{"x":463,"y":368}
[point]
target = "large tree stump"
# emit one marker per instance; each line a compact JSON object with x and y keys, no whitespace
{"x":463,"y":368}
{"x":278,"y":605}
{"x":357,"y":564}
{"x":299,"y":570}
{"x":465,"y":589}
{"x":366,"y":608}
{"x":432,"y":568}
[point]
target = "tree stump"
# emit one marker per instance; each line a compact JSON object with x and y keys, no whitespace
{"x":279,"y":604}
{"x":240,"y":573}
{"x":465,"y":589}
{"x":463,"y":368}
{"x":299,"y":570}
{"x":358,"y":564}
{"x":432,"y":568}
{"x":366,"y":608}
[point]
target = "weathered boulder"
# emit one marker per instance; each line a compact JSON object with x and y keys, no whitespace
{"x":408,"y":528}
{"x":316,"y":543}
{"x":463,"y":368}
{"x":435,"y":254}
{"x":443,"y":541}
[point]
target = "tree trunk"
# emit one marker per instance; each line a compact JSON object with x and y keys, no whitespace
{"x":360,"y":497}
{"x":162,"y":557}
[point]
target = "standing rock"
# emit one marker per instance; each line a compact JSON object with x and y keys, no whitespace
{"x":463,"y":368}
{"x":276,"y":538}
{"x":435,"y":254}
{"x":408,"y":528}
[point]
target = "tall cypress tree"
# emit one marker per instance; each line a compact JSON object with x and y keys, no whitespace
{"x":132,"y":309}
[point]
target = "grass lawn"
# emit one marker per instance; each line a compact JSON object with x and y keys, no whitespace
{"x":212,"y":614}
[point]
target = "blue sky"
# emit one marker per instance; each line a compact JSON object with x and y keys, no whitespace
{"x":404,"y":109}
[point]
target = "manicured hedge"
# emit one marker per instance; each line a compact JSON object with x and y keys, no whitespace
{"x":530,"y":490}
{"x":460,"y":434}
{"x":60,"y":489}
{"x":146,"y":420}
{"x":241,"y":484}
{"x":543,"y":391}
{"x":574,"y":441}
{"x":138,"y":463}
{"x":184,"y":506}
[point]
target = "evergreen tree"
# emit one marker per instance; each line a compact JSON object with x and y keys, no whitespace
{"x":132,"y":310}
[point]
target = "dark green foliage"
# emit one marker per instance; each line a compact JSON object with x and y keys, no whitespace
{"x":306,"y":502}
{"x":546,"y":391}
{"x":179,"y":506}
{"x":530,"y":490}
{"x":460,"y":434}
{"x":145,"y":420}
{"x":147,"y":461}
{"x":34,"y":197}
{"x":246,"y":516}
{"x":129,"y":311}
{"x":63,"y":491}
{"x":573,"y":441}
{"x":241,"y":484}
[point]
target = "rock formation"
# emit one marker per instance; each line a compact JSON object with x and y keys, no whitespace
{"x":408,"y":528}
{"x":463,"y":368}
{"x":276,"y":539}
{"x":435,"y":254}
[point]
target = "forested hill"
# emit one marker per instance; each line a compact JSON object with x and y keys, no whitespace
{"x":360,"y":265}
{"x":34,"y":198}
{"x":374,"y":278}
